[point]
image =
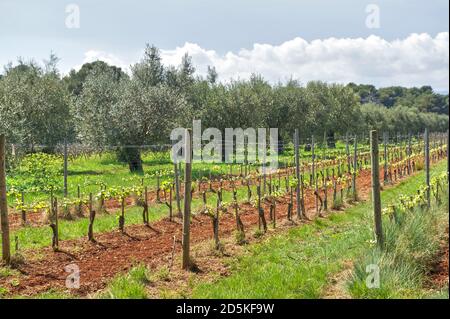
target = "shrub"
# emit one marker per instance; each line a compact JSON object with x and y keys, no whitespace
{"x":39,"y":172}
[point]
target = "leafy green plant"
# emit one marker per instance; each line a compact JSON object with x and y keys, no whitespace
{"x":38,"y":172}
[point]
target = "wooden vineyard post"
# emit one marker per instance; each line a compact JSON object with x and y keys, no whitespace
{"x":297,"y":173}
{"x":158,"y":188}
{"x":55,"y":224}
{"x":122,"y":215}
{"x":262,"y":218}
{"x":448,"y":163}
{"x":409,"y":154}
{"x":147,"y":217}
{"x":355,"y":168}
{"x":23,"y":211}
{"x":187,"y":201}
{"x":91,"y":220}
{"x":302,"y":196}
{"x":385,"y":155}
{"x":169,"y":203}
{"x":65,"y":168}
{"x":80,"y":204}
{"x":264,"y":172}
{"x":239,"y":224}
{"x":427,"y":163}
{"x":376,"y":196}
{"x":347,"y":151}
{"x":6,"y":249}
{"x":325,"y":190}
{"x":177,"y":189}
{"x":313,"y":172}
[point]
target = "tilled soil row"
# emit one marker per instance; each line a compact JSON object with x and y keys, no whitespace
{"x":39,"y":219}
{"x":115,"y":252}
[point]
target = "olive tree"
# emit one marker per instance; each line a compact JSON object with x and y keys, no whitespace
{"x":127,"y":113}
{"x":34,"y":105}
{"x":144,"y":115}
{"x":93,"y":108}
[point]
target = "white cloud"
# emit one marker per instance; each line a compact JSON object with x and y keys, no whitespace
{"x":416,"y":60}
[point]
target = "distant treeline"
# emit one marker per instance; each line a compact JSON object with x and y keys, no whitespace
{"x":423,"y":98}
{"x":100,"y":105}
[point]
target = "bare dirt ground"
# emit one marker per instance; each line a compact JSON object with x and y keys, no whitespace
{"x":439,"y":276}
{"x":115,"y":252}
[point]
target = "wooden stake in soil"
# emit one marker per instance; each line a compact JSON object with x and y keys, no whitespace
{"x":448,"y":163}
{"x":262,"y":218}
{"x":355,"y":169}
{"x":313,"y":173}
{"x":264,"y":172}
{"x":145,"y":211}
{"x":169,"y":203}
{"x":347,"y":151}
{"x":187,"y":201}
{"x":158,"y":188}
{"x":91,"y":220}
{"x":409,"y":153}
{"x":215,"y":219}
{"x":177,"y":190}
{"x":122,"y":216}
{"x":376,"y":196}
{"x":297,"y":173}
{"x":80,"y":204}
{"x":55,"y":223}
{"x":65,"y":168}
{"x":427,"y":163}
{"x":23,"y":211}
{"x":6,"y":249}
{"x":239,"y":224}
{"x":385,"y":142}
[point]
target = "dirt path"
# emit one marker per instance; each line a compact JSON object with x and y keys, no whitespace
{"x":439,"y":276}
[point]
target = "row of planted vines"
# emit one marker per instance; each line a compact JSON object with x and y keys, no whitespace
{"x":228,"y":198}
{"x":329,"y":176}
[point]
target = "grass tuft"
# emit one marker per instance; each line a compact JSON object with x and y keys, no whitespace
{"x":411,"y":243}
{"x":128,"y":286}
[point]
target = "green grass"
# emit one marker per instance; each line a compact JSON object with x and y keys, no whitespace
{"x":50,"y":294}
{"x":295,"y":264}
{"x":92,"y":171}
{"x":299,"y":263}
{"x":410,"y":246}
{"x":128,"y":286}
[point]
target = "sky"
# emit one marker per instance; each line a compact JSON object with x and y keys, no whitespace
{"x":384,"y":42}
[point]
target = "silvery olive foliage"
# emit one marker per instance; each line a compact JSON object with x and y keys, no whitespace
{"x":103,"y":107}
{"x":34,"y":105}
{"x":146,"y":114}
{"x":93,"y":109}
{"x":135,"y":110}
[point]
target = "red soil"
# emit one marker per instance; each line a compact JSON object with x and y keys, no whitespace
{"x":115,"y":252}
{"x":439,"y":275}
{"x":38,"y":219}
